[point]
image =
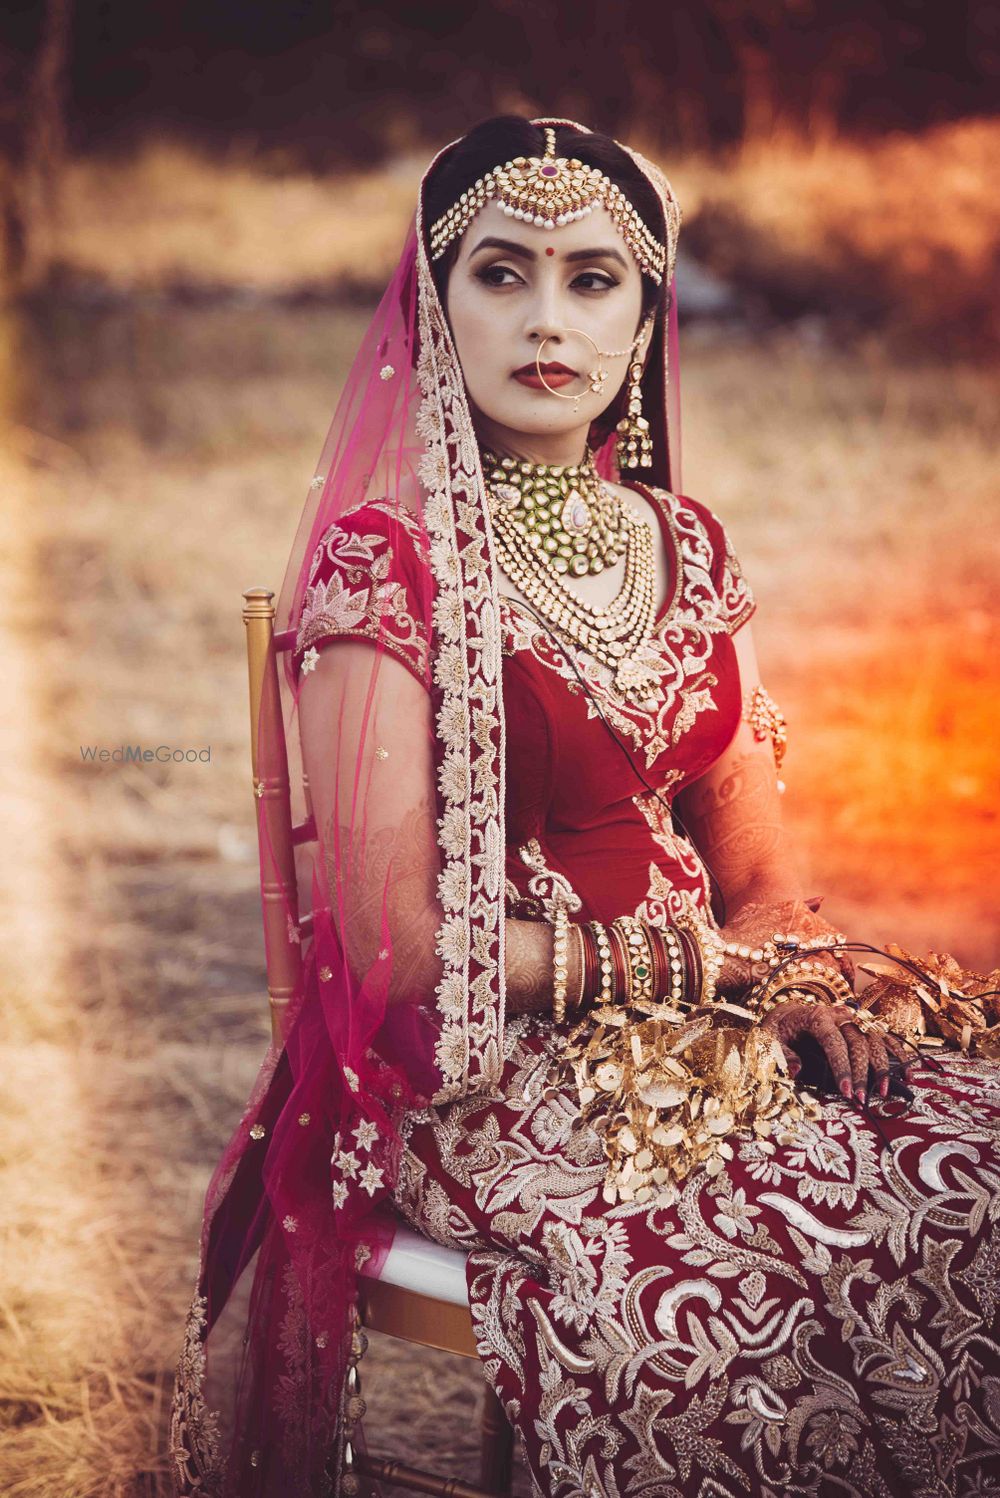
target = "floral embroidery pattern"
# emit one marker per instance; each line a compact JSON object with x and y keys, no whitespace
{"x":823,"y":1316}
{"x":551,"y":892}
{"x":678,"y":649}
{"x":194,"y":1429}
{"x":470,"y":942}
{"x":359,"y":598}
{"x":665,"y":898}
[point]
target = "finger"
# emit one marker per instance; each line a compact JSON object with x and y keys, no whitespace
{"x":792,"y":1060}
{"x":857,"y":1049}
{"x":880,"y":1061}
{"x":902,"y":1053}
{"x":820,"y":1023}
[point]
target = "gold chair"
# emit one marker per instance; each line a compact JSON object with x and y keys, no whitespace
{"x":421,"y":1294}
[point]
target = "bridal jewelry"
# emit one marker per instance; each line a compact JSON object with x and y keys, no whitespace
{"x":633,"y":445}
{"x":534,"y":554}
{"x":596,"y":377}
{"x":581,"y":521}
{"x":767,"y":721}
{"x":550,"y":191}
{"x":560,"y":971}
{"x":640,"y":965}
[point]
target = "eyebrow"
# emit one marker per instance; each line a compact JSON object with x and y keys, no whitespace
{"x":512,"y":247}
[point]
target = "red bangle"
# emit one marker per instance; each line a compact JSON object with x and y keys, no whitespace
{"x":692,"y":954}
{"x":580,"y":935}
{"x":592,"y":965}
{"x":654,"y":941}
{"x":619,"y":962}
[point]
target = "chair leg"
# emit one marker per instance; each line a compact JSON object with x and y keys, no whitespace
{"x":497,"y":1447}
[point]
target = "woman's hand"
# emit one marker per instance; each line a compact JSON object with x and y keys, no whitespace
{"x":849,"y":1051}
{"x":756,"y":922}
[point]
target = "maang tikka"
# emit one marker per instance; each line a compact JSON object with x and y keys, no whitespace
{"x":549,"y":191}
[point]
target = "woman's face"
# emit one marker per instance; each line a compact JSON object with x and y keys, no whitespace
{"x":514,"y":285}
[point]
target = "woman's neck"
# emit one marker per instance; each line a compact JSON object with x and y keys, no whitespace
{"x":559,"y":448}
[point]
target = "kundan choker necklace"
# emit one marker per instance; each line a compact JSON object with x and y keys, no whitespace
{"x":550,"y":520}
{"x":581,"y":525}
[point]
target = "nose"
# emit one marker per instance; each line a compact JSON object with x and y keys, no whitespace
{"x":544,"y":319}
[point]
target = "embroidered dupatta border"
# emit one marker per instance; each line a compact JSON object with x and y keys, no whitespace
{"x":470,"y":721}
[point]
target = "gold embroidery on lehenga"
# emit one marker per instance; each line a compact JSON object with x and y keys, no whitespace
{"x":551,"y":891}
{"x":730,"y":1332}
{"x":359,"y":601}
{"x":665,"y":901}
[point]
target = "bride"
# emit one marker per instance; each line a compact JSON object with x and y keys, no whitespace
{"x":558,"y":992}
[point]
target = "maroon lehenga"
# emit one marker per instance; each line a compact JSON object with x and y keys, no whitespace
{"x":820,"y":1318}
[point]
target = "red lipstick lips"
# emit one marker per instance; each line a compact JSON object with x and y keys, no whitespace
{"x":546,"y":369}
{"x":554,"y":375}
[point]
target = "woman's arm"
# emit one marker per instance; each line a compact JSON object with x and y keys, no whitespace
{"x":733,"y":812}
{"x":367,"y":742}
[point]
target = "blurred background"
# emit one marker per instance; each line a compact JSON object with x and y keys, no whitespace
{"x":200,"y":203}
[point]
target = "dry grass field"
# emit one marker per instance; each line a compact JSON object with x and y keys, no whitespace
{"x":157,"y":456}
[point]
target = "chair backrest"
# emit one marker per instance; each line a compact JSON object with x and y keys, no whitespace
{"x":277,"y":835}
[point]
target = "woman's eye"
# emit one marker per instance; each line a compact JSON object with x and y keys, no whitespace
{"x":595,"y":281}
{"x":493,"y":275}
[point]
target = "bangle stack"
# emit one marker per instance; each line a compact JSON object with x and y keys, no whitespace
{"x":631,"y":961}
{"x":627,"y":962}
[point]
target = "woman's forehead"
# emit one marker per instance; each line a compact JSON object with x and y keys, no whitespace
{"x":590,"y":236}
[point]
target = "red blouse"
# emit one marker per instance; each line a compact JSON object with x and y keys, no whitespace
{"x":584,"y":823}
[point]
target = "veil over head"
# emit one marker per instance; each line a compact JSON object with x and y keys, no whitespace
{"x":391,"y":932}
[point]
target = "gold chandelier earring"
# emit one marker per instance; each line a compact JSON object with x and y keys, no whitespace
{"x":634,"y":446}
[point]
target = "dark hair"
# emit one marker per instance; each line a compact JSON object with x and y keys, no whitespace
{"x":501,"y":138}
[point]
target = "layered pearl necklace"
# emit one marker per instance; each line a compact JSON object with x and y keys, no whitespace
{"x":550,"y":520}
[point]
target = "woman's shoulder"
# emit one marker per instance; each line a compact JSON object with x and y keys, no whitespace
{"x":369,"y":579}
{"x":708,"y":554}
{"x":367,"y":530}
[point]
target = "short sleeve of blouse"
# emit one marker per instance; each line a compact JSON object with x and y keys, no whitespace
{"x":735,"y":599}
{"x":369,"y":579}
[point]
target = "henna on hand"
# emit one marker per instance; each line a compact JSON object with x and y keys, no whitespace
{"x":848,"y":1049}
{"x":755,"y":922}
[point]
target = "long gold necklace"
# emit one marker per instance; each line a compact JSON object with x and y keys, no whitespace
{"x":528,"y":549}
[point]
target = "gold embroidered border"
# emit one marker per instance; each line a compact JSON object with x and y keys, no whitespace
{"x":467,"y":669}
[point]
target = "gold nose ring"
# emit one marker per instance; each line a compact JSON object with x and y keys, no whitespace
{"x":596,"y":378}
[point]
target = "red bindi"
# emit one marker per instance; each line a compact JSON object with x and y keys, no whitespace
{"x":549,"y":250}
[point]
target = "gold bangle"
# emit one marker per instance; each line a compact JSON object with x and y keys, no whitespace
{"x":607,"y":970}
{"x":581,"y":958}
{"x":807,"y":974}
{"x":712,"y":949}
{"x":640,"y":962}
{"x":559,"y":971}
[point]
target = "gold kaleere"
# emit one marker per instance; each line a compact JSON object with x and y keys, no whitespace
{"x":951,"y":1005}
{"x":667,"y":1092}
